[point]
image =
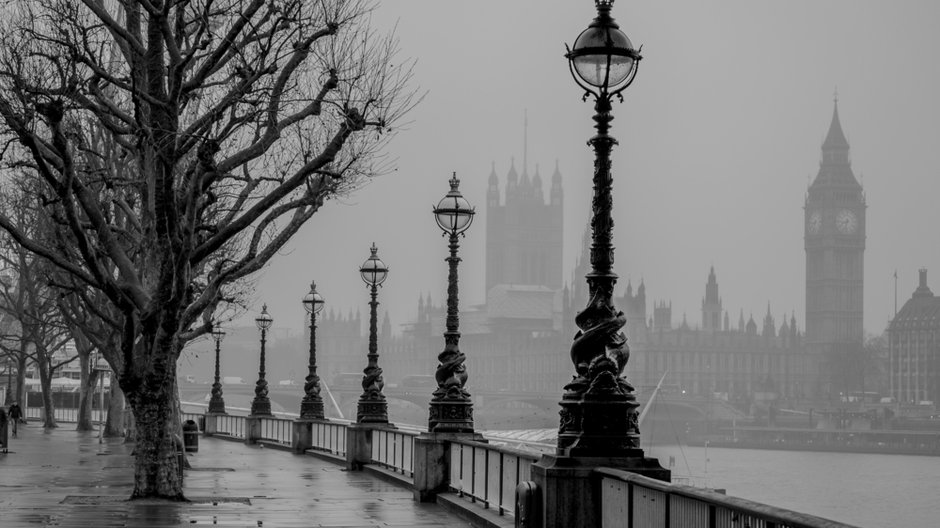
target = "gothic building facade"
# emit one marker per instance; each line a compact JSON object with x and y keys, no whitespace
{"x":519,"y":339}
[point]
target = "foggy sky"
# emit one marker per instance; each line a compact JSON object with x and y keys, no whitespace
{"x":719,"y":137}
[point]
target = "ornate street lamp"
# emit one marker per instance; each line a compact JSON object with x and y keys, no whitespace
{"x":261,"y":405}
{"x":9,"y":395}
{"x":216,"y":403}
{"x":372,"y":405}
{"x":598,"y":415}
{"x":451,"y":407}
{"x":100,"y":365}
{"x":311,"y":407}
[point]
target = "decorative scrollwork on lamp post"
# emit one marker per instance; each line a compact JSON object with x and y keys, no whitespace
{"x":451,"y":408}
{"x":598,"y":415}
{"x":311,"y":407}
{"x":261,"y":405}
{"x":372,"y":407}
{"x":216,"y":402}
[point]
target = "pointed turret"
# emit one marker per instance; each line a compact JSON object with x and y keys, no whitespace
{"x":835,"y":169}
{"x":769,"y":327}
{"x":537,"y":186}
{"x":492,"y":189}
{"x":741,"y":327}
{"x":512,"y":181}
{"x":751,"y":326}
{"x":557,"y":192}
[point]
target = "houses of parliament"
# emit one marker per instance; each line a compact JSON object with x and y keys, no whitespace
{"x":519,"y":338}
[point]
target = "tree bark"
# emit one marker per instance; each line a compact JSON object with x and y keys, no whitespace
{"x":157,"y":472}
{"x":114,"y":426}
{"x":86,"y":391}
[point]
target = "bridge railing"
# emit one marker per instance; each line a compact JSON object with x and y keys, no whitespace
{"x":231,"y":425}
{"x":329,"y":437}
{"x":489,"y":473}
{"x":629,"y":499}
{"x":279,"y":430}
{"x":394,"y":449}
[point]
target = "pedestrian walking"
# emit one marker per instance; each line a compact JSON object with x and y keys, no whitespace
{"x":16,"y":414}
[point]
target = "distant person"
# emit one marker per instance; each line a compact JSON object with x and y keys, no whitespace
{"x":16,"y":414}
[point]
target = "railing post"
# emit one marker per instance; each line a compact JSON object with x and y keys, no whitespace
{"x":358,"y":446}
{"x":302,"y":438}
{"x":212,"y":426}
{"x":432,"y":466}
{"x":252,"y":429}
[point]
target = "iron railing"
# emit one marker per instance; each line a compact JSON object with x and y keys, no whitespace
{"x":279,"y":430}
{"x":394,"y":449}
{"x":632,"y":500}
{"x":329,"y":437}
{"x":488,"y":473}
{"x":230,"y":425}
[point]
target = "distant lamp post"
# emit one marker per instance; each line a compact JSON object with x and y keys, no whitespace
{"x":451,"y":408}
{"x":598,"y":416}
{"x":216,"y":403}
{"x":372,"y":405}
{"x":261,"y":405}
{"x":311,"y":407}
{"x":9,"y":395}
{"x":100,"y":365}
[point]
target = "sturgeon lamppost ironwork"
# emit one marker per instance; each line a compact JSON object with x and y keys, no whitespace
{"x":261,"y":405}
{"x":598,"y":416}
{"x":451,"y":408}
{"x":216,"y":402}
{"x":311,"y":407}
{"x":372,"y":406}
{"x":100,"y":365}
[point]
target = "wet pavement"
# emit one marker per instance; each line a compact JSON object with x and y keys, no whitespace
{"x":66,"y":478}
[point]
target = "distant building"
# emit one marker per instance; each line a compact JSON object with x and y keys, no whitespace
{"x":914,"y":347}
{"x":835,"y":247}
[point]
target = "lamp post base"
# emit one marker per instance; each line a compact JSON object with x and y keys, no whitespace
{"x":261,"y":407}
{"x":450,"y":417}
{"x":311,"y":409}
{"x":372,"y":412}
{"x":217,"y":406}
{"x":599,"y":427}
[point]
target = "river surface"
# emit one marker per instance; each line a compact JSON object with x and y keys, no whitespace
{"x":871,"y":491}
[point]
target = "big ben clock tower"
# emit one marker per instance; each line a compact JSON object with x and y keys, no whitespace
{"x":835,"y":247}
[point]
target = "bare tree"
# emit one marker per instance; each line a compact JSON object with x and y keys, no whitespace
{"x":28,"y":297}
{"x":178,"y":145}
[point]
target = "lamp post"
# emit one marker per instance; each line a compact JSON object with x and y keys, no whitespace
{"x":311,"y":407}
{"x":216,"y":403}
{"x":261,"y":405}
{"x":100,"y":365}
{"x":372,"y":406}
{"x":598,"y":415}
{"x":9,"y":395}
{"x":451,"y":409}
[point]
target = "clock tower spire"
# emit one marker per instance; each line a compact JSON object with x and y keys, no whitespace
{"x":835,"y":245}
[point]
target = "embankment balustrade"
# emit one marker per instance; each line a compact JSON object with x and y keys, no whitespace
{"x":488,"y":473}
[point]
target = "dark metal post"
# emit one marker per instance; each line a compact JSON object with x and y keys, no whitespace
{"x":451,"y":409}
{"x":216,"y":402}
{"x":598,"y":415}
{"x":261,"y":405}
{"x":311,"y":407}
{"x":372,"y":408}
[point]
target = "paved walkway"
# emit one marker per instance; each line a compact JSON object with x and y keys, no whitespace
{"x":66,"y":478}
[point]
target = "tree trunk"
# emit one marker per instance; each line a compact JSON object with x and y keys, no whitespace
{"x":158,"y":453}
{"x":86,"y":391}
{"x":45,"y":382}
{"x":114,"y":427}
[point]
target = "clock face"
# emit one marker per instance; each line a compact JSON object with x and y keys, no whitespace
{"x":815,"y":223}
{"x":846,"y":222}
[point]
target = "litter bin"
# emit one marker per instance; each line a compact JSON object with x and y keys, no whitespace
{"x":190,"y":436}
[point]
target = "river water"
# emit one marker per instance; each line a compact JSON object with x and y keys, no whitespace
{"x":871,"y":491}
